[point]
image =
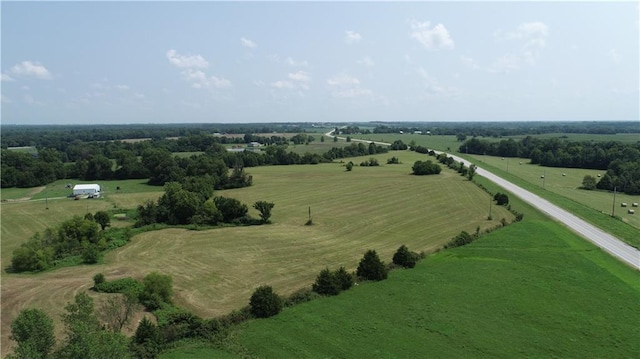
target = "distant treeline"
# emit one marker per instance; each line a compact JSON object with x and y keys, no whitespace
{"x":501,"y":129}
{"x":620,"y":160}
{"x":154,"y":160}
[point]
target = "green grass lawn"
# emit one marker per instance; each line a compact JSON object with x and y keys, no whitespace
{"x":533,"y":289}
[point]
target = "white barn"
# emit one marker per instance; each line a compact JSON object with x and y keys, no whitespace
{"x":86,"y":189}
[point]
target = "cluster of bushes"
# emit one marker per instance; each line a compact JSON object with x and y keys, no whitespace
{"x":354,"y":150}
{"x":398,"y":145}
{"x":332,"y":283}
{"x":371,"y":162}
{"x":427,"y":167}
{"x":196,"y":205}
{"x":78,"y":240}
{"x":393,"y":161}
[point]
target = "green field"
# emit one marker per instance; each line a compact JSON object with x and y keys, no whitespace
{"x":532,"y":289}
{"x":215,"y":271}
{"x":442,"y":143}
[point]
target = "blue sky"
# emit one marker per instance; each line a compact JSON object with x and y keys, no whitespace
{"x":170,"y":62}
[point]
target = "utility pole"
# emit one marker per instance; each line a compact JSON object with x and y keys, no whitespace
{"x":489,"y":218}
{"x":613,"y":207}
{"x":46,"y":202}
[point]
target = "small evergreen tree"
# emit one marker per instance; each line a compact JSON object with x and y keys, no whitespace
{"x":265,"y":302}
{"x":326,"y":283}
{"x":403,"y":257}
{"x":343,"y":278}
{"x":371,"y":267}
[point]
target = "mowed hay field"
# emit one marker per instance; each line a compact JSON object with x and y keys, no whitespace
{"x":215,"y":271}
{"x":568,"y":185}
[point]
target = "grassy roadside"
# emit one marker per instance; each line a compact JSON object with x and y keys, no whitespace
{"x":622,"y":230}
{"x":616,"y":227}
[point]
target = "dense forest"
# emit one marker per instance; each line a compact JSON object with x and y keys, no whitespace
{"x":620,"y":160}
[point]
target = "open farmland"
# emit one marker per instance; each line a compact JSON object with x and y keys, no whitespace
{"x":215,"y":270}
{"x":533,"y":289}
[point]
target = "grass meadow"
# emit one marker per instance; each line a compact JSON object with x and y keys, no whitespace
{"x":567,"y":186}
{"x":593,"y":206}
{"x":532,"y":289}
{"x":216,"y":270}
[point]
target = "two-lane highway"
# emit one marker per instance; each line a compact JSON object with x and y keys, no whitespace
{"x":600,"y":238}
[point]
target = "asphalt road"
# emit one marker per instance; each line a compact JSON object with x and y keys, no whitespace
{"x":600,"y":238}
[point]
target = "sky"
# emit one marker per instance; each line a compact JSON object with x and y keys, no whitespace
{"x":247,"y":62}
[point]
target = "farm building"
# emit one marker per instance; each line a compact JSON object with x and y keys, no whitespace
{"x":86,"y":189}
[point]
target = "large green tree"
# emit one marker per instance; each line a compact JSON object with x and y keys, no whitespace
{"x":103,"y":219}
{"x":33,"y":332}
{"x":86,"y":337}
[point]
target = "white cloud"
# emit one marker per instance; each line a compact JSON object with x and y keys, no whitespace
{"x":29,"y":100}
{"x":292,"y":62}
{"x":533,"y":35}
{"x":7,"y":78}
{"x":199,"y":80}
{"x":345,"y":86}
{"x":615,"y":56}
{"x":122,"y":87}
{"x":248,"y":43}
{"x":351,"y":93}
{"x":351,"y":37}
{"x":343,"y":80}
{"x":469,"y":63}
{"x":301,"y":76}
{"x":138,"y":96}
{"x":288,"y":61}
{"x":432,"y":38}
{"x":5,"y":99}
{"x":297,"y":83}
{"x":220,"y":82}
{"x":433,"y":89}
{"x":282,"y":84}
{"x":505,"y":64}
{"x":31,"y":69}
{"x":366,"y":61}
{"x":186,"y":61}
